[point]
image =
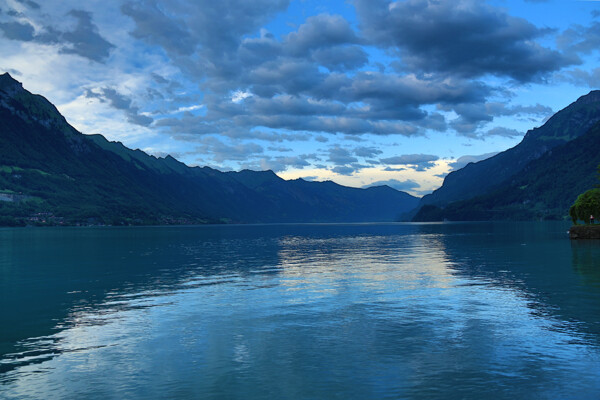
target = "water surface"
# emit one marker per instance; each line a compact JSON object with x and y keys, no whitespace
{"x":502,"y":310}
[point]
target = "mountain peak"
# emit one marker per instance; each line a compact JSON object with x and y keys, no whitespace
{"x":9,"y":84}
{"x":591,"y":97}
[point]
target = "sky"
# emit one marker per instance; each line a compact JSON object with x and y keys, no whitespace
{"x":361,"y":92}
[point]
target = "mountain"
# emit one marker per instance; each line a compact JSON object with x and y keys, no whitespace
{"x":548,"y":178}
{"x":52,"y":174}
{"x":479,"y":178}
{"x":544,"y":189}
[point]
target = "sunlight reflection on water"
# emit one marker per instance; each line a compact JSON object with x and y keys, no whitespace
{"x":348,"y":312}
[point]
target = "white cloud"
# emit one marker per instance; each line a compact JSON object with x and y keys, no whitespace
{"x":238,"y":96}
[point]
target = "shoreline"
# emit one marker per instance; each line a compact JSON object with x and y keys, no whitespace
{"x":577,"y":232}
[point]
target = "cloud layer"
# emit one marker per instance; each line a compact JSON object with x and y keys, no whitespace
{"x":231,"y":81}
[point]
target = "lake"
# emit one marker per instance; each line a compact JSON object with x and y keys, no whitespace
{"x":317,"y":311}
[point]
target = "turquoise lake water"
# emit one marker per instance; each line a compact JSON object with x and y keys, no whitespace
{"x":398,"y":311}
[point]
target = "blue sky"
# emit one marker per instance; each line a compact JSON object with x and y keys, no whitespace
{"x":360,"y":92}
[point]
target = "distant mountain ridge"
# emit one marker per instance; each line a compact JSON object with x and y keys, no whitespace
{"x":65,"y":177}
{"x":537,"y":179}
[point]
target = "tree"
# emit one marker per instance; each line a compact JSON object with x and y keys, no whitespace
{"x":586,"y":204}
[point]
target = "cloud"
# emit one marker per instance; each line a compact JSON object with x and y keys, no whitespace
{"x":318,"y":32}
{"x":120,"y":102}
{"x":277,"y":164}
{"x":344,"y":58}
{"x":152,"y":25}
{"x":420,"y":162}
{"x":406,"y":185}
{"x":465,"y":38}
{"x":84,"y":40}
{"x":367,"y":151}
{"x":472,"y":117}
{"x":197,"y":36}
{"x":464,"y":160}
{"x":261,"y":81}
{"x":220,"y":151}
{"x":503,"y":132}
{"x":584,"y":78}
{"x":17,"y":31}
{"x":343,"y":170}
{"x":29,"y":3}
{"x":394,"y":70}
{"x":391,"y":169}
{"x":580,"y":39}
{"x":340,"y":156}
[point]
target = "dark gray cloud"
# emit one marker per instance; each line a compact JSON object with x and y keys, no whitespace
{"x":464,"y":160}
{"x":504,"y":132}
{"x":391,"y":169}
{"x":473,"y":117}
{"x":497,"y":109}
{"x":152,"y":25}
{"x":284,"y":86}
{"x":328,"y":40}
{"x":29,"y":3}
{"x":202,"y":37}
{"x":344,"y":161}
{"x":420,"y":162}
{"x":406,"y":185}
{"x":459,"y":37}
{"x":17,"y":31}
{"x":344,"y":170}
{"x":84,"y":40}
{"x":367,"y":151}
{"x":341,"y":58}
{"x":282,"y":80}
{"x":580,"y":39}
{"x":341,"y":156}
{"x":221,"y":151}
{"x":280,"y":149}
{"x":320,"y":31}
{"x":120,"y":102}
{"x":278,"y":164}
{"x":584,"y":78}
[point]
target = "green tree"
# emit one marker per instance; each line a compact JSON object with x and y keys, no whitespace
{"x":587,"y":204}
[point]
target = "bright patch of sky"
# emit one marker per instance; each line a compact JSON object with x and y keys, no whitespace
{"x":360,"y":92}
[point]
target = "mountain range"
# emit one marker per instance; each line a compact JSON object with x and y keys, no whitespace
{"x":52,"y":174}
{"x":537,"y":179}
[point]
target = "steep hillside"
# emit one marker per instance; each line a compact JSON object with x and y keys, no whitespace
{"x":478,"y":178}
{"x":544,"y":189}
{"x":52,"y":174}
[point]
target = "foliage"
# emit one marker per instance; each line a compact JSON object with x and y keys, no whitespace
{"x":587,"y":204}
{"x":429,"y":213}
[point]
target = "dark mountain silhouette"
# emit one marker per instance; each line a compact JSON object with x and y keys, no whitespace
{"x":478,"y":178}
{"x":52,"y":174}
{"x":537,"y":179}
